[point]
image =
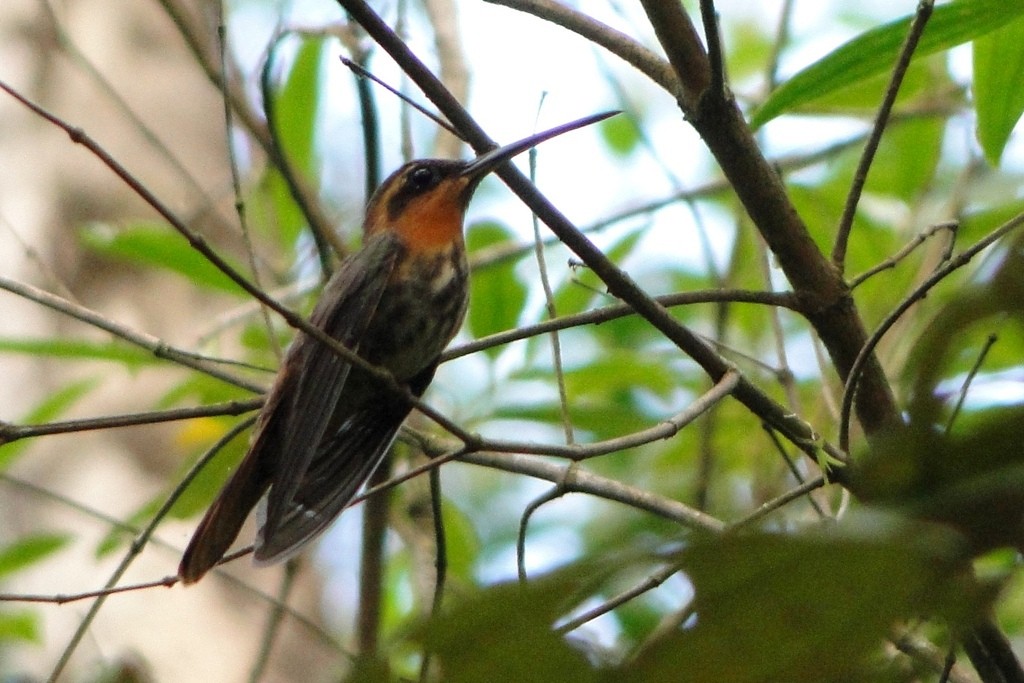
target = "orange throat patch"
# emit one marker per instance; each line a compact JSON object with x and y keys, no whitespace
{"x":434,"y":219}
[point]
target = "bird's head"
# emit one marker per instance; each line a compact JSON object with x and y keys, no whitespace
{"x":425,"y":201}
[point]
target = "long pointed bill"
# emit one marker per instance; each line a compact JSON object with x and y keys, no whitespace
{"x":488,"y":161}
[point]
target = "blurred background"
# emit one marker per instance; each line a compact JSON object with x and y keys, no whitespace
{"x":144,"y":80}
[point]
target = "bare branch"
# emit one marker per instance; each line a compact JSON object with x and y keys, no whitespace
{"x":11,"y":432}
{"x":957,"y":262}
{"x":157,"y":347}
{"x":138,"y":545}
{"x":860,"y":176}
{"x":381,"y":375}
{"x":616,"y":42}
{"x":894,"y":260}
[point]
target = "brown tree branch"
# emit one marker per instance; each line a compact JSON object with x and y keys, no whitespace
{"x":12,"y":432}
{"x":828,"y":305}
{"x":616,"y":42}
{"x":860,"y":176}
{"x":619,"y":283}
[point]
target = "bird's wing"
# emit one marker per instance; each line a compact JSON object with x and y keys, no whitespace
{"x":344,"y":311}
{"x":344,"y":461}
{"x":298,"y":408}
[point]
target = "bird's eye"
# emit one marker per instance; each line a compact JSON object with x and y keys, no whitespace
{"x":421,"y":178}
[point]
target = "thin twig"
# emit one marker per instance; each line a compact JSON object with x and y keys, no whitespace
{"x":713,"y":38}
{"x":583,"y":481}
{"x":12,"y":432}
{"x":654,"y":580}
{"x":793,"y":469}
{"x":274,"y":620}
{"x":385,"y":379}
{"x":563,"y":398}
{"x":955,"y":263}
{"x":372,"y":565}
{"x":779,"y":501}
{"x":608,"y":313}
{"x":557,"y":491}
{"x":364,"y":73}
{"x":665,"y":429}
{"x":616,"y":42}
{"x":138,"y":545}
{"x":370,"y":126}
{"x":324,"y":236}
{"x":65,"y":598}
{"x":971,"y":374}
{"x":784,"y":372}
{"x":154,"y":345}
{"x":236,"y":180}
{"x":440,"y":561}
{"x":860,"y":176}
{"x":452,"y":61}
{"x":552,"y":311}
{"x":780,"y":42}
{"x":919,"y":239}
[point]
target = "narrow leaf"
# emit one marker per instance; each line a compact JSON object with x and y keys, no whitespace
{"x":574,"y":295}
{"x":157,"y":246}
{"x":998,"y":95}
{"x":497,"y":295}
{"x":874,"y":52}
{"x":29,"y":551}
{"x":806,"y":608}
{"x":50,"y":408}
{"x":297,"y":104}
{"x":22,"y":625}
{"x":78,"y":349}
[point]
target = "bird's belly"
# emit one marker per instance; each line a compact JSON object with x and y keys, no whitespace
{"x":419,"y":313}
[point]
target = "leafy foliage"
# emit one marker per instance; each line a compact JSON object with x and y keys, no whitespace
{"x":706,"y":545}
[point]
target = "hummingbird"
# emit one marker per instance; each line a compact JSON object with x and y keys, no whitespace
{"x":326,"y":425}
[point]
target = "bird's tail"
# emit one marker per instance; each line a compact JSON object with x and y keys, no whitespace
{"x":224,"y":520}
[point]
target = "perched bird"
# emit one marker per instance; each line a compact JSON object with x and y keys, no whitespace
{"x":326,"y":425}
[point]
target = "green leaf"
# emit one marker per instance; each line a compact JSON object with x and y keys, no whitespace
{"x":293,"y":108}
{"x":160,"y":247}
{"x":505,"y":632}
{"x":621,"y":134}
{"x":907,"y":159}
{"x":200,"y":492}
{"x":49,"y":409}
{"x":297,"y":104}
{"x":22,"y":625}
{"x":602,"y":417}
{"x":874,"y":52}
{"x":496,"y":296}
{"x":78,"y":349}
{"x":29,"y":551}
{"x":615,"y":372}
{"x":576,"y":293}
{"x":998,"y":95}
{"x":806,"y":608}
{"x":971,"y":480}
